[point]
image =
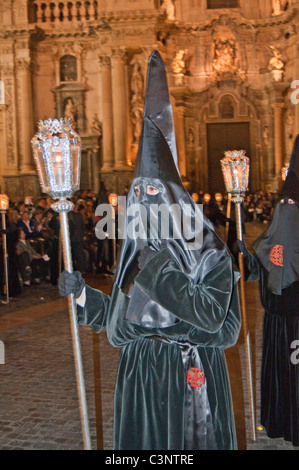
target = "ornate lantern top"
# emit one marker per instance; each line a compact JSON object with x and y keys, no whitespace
{"x":4,"y":202}
{"x":235,"y":168}
{"x":57,"y":153}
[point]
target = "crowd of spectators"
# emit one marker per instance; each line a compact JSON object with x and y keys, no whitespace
{"x":34,"y":243}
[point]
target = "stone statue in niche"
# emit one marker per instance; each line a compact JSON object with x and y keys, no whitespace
{"x":178,"y":67}
{"x":278,"y":7}
{"x":97,"y":126}
{"x":224,"y":61}
{"x":137,"y":82}
{"x":169,"y":8}
{"x":70,"y":111}
{"x":276,"y":64}
{"x":136,"y":115}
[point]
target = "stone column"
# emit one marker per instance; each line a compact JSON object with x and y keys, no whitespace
{"x":107,"y":114}
{"x":295,"y":96}
{"x":119,"y":109}
{"x":25,"y":116}
{"x":179,"y":114}
{"x":278,"y":138}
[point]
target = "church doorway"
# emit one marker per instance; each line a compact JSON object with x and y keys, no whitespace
{"x":221,"y":137}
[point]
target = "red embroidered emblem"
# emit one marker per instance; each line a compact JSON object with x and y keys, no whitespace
{"x":276,"y":255}
{"x":195,"y":377}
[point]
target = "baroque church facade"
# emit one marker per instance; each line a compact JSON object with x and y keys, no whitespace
{"x":233,"y":73}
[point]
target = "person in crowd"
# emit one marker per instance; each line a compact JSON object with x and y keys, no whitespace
{"x":275,"y":263}
{"x":173,"y":310}
{"x":27,"y":224}
{"x":33,"y":266}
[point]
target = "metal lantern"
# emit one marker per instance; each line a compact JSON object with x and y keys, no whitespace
{"x":284,"y":171}
{"x":57,"y":153}
{"x":235,"y":168}
{"x":4,"y":204}
{"x":113,"y":199}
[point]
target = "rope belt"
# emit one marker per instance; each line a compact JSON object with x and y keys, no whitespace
{"x":198,"y":426}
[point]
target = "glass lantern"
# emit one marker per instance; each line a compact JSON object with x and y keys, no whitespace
{"x":113,"y":199}
{"x":235,"y":168}
{"x":57,"y":153}
{"x":4,"y":202}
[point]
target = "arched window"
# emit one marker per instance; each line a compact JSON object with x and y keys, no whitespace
{"x":68,"y":68}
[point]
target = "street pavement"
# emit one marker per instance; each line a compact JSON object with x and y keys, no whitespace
{"x":38,"y":393}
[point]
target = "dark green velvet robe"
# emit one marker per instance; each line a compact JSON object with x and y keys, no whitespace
{"x":151,"y":382}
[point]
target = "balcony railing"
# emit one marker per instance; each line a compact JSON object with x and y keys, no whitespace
{"x":65,"y":11}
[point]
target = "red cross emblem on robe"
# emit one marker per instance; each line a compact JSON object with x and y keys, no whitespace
{"x":195,"y":377}
{"x":276,"y":255}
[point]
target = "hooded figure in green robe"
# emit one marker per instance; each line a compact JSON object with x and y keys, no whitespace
{"x":174,"y":306}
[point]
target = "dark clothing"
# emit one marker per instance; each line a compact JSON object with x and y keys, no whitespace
{"x":152,"y":400}
{"x":279,"y":375}
{"x":77,"y":234}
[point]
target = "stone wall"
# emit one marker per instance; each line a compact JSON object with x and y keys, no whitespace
{"x":88,"y":60}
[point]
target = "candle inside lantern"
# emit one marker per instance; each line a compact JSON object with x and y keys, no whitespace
{"x":235,"y":172}
{"x":4,"y":202}
{"x":58,"y":168}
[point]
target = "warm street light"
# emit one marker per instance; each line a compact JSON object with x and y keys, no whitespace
{"x":284,"y":171}
{"x":235,"y":168}
{"x":4,"y":204}
{"x":57,"y":153}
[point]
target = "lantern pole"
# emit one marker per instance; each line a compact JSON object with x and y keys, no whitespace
{"x":57,"y":152}
{"x":238,"y":203}
{"x":236,"y":169}
{"x":5,"y":256}
{"x":3,"y":207}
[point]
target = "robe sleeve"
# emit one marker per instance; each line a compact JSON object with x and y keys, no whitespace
{"x":203,"y":305}
{"x":94,"y":311}
{"x":228,"y":334}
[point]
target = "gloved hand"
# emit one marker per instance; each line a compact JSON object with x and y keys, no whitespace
{"x":145,"y":255}
{"x":71,"y":283}
{"x":241,"y":245}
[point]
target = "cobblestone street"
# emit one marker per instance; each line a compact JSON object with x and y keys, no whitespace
{"x":38,"y":400}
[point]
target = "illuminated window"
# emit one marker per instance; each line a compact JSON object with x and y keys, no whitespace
{"x":211,"y":4}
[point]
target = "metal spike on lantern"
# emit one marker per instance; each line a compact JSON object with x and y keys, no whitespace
{"x":235,"y":168}
{"x":4,"y":203}
{"x":57,"y":153}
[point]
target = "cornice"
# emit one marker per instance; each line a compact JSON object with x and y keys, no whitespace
{"x":233,"y":17}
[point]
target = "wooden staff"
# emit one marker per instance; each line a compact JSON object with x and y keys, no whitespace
{"x":244,"y":321}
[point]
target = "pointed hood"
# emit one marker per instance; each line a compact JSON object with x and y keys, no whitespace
{"x":157,"y":166}
{"x":157,"y":153}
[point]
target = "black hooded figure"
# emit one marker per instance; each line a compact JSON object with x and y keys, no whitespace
{"x":276,"y":264}
{"x":174,"y":306}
